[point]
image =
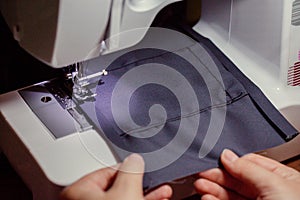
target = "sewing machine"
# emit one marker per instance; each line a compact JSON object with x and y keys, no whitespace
{"x":66,"y":34}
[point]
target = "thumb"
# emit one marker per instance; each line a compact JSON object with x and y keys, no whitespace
{"x":130,"y":176}
{"x":248,"y":172}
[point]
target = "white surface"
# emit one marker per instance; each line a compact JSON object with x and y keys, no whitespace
{"x":63,"y":32}
{"x":258,"y":38}
{"x":59,"y":32}
{"x":80,"y":29}
{"x":135,"y":16}
{"x":63,"y":160}
{"x":255,"y":35}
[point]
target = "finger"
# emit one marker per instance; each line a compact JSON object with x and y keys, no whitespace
{"x":91,"y":186}
{"x":248,"y":172}
{"x":103,"y":178}
{"x":223,"y":179}
{"x":204,"y":187}
{"x":163,"y":192}
{"x":273,"y":166}
{"x":209,"y":197}
{"x":220,"y":177}
{"x":130,"y":176}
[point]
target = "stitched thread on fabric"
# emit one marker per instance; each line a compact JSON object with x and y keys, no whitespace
{"x":150,"y":126}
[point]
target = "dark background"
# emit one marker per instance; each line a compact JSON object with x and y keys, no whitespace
{"x":17,"y":69}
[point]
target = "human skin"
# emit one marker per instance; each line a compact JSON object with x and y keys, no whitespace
{"x":123,"y":181}
{"x":249,"y":177}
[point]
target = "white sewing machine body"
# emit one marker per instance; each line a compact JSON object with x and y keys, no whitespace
{"x":248,"y":32}
{"x":61,"y":32}
{"x":262,"y":39}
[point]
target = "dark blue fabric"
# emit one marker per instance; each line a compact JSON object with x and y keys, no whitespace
{"x":252,"y":123}
{"x":271,"y":114}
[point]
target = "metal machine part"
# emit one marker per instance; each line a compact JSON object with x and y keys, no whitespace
{"x":54,"y":98}
{"x":83,"y":82}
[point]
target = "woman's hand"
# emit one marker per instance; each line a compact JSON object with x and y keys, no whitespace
{"x":125,"y":182}
{"x":249,"y":177}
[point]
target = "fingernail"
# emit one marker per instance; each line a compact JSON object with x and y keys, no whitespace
{"x":134,"y":158}
{"x":133,"y":164}
{"x":229,"y":155}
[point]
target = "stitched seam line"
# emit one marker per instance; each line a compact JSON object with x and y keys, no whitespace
{"x":131,"y":131}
